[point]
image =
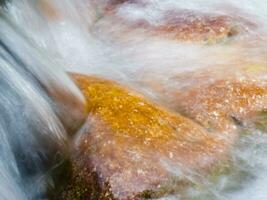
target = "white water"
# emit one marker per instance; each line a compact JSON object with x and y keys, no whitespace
{"x":80,"y":39}
{"x":31,"y":123}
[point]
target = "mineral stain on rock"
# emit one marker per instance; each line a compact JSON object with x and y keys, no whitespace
{"x":131,"y":148}
{"x":224,"y":102}
{"x":181,"y":25}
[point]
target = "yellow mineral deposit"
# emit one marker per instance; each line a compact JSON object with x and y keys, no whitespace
{"x":133,"y":147}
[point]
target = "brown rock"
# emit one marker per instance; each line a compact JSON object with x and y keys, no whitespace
{"x":199,"y":27}
{"x":223,"y":102}
{"x":133,"y":148}
{"x":48,"y":10}
{"x":220,"y":98}
{"x":181,"y":24}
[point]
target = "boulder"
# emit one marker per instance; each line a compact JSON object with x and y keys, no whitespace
{"x":132,"y":148}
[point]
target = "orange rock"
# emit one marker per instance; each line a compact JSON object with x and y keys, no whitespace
{"x":181,"y":25}
{"x":218,"y":98}
{"x":198,"y":27}
{"x":132,"y":147}
{"x":222,"y":102}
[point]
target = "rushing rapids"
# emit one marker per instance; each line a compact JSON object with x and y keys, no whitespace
{"x":133,"y":99}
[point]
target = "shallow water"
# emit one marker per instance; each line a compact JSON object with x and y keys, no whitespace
{"x":38,"y":46}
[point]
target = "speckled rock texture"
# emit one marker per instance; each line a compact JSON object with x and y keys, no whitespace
{"x":132,"y":148}
{"x":181,"y":25}
{"x":224,"y":102}
{"x":219,"y":103}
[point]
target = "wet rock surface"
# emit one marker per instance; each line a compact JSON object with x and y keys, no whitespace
{"x":214,"y":104}
{"x":132,"y":148}
{"x":218,"y":103}
{"x":180,"y":25}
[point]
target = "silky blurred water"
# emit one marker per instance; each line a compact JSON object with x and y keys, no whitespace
{"x":39,"y":44}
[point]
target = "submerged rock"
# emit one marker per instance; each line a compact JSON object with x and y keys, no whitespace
{"x":220,"y":99}
{"x":199,"y":27}
{"x":236,"y":100}
{"x":181,"y":25}
{"x":132,"y":148}
{"x":219,"y":104}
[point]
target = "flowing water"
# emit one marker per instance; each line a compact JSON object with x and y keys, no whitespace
{"x":42,"y":40}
